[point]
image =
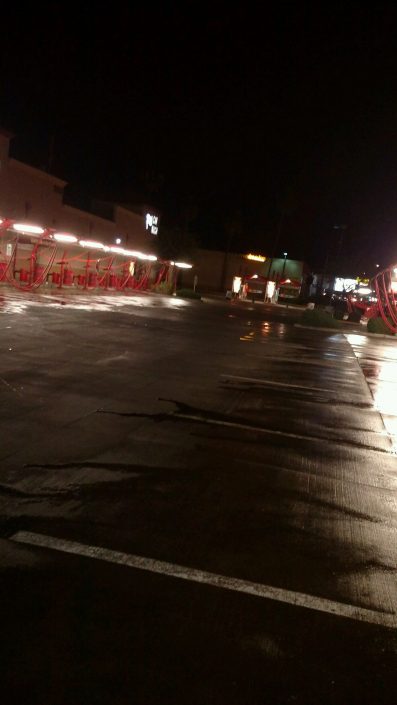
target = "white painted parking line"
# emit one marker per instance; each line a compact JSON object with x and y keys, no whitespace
{"x":284,"y":434}
{"x":272,"y":383}
{"x":253,"y":429}
{"x":297,"y":599}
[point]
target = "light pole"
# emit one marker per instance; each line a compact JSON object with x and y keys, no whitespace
{"x":285,"y":259}
{"x":276,"y":239}
{"x":341,"y":228}
{"x":335,"y":259}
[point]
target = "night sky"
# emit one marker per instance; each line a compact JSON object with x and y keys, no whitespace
{"x":241,"y":126}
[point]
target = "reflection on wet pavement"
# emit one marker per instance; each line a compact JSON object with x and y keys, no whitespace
{"x":271,"y":465}
{"x":21,"y":302}
{"x":378,"y":361}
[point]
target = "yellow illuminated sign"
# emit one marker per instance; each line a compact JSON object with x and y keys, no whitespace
{"x":256,"y":258}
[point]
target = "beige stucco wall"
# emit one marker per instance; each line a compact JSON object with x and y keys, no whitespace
{"x":131,"y":226}
{"x":27,"y":193}
{"x":85,"y":225}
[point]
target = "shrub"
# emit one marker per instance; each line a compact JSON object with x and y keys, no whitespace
{"x":188,"y":294}
{"x":339,"y":314}
{"x":355,"y":316}
{"x":377,"y":325}
{"x":320,"y":319}
{"x":163,"y":288}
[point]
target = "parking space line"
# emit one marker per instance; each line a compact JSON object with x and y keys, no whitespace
{"x":284,"y":434}
{"x":273,"y":383}
{"x":297,"y":599}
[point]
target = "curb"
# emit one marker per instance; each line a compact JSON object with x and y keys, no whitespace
{"x":343,"y":332}
{"x":375,"y":335}
{"x":328,"y":330}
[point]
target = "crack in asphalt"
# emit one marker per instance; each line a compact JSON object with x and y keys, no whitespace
{"x":161,"y":416}
{"x":377,"y":565}
{"x":124,"y":467}
{"x":99,"y":487}
{"x":22,"y":494}
{"x":325,"y":504}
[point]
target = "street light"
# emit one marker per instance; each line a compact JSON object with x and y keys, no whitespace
{"x":342,"y":228}
{"x":285,"y":259}
{"x":335,"y":261}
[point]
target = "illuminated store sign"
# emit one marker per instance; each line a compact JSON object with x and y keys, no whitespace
{"x":344,"y":284}
{"x":256,"y":258}
{"x":236,"y":285}
{"x":270,"y":289}
{"x":152,"y":222}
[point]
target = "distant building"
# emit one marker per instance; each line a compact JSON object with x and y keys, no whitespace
{"x":216,"y":269}
{"x":33,"y":195}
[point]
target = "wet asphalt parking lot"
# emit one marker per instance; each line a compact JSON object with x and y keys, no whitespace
{"x":198,"y":505}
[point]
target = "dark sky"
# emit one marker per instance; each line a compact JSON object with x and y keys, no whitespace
{"x":285,"y":122}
